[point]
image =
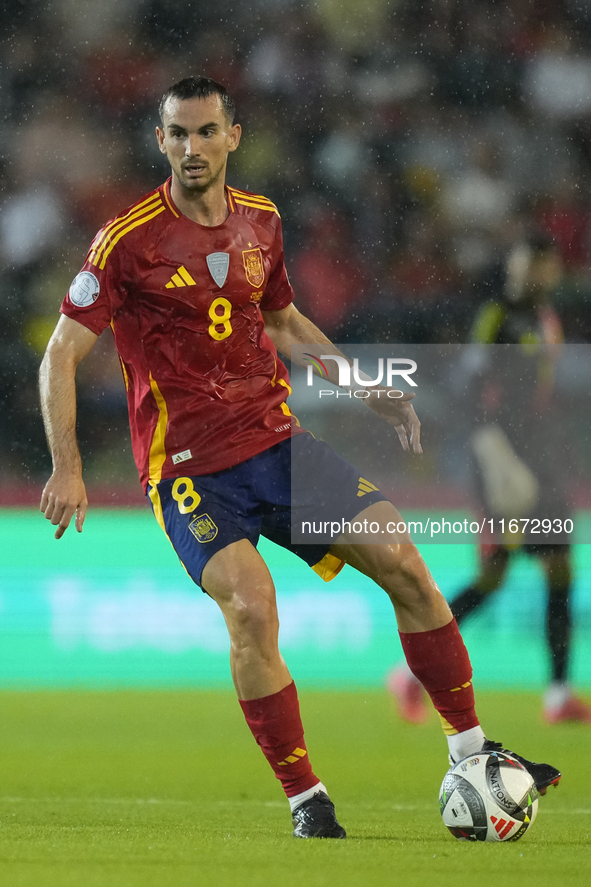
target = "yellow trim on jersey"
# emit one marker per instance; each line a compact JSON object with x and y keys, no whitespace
{"x":283,"y":406}
{"x":269,"y":208}
{"x":105,"y":235}
{"x":123,"y":370}
{"x":255,"y":200}
{"x":262,"y":201}
{"x":168,"y":199}
{"x":158,"y":450}
{"x":236,"y":192}
{"x":129,"y":228}
{"x":106,"y":243}
{"x":125,"y":376}
{"x":231,"y":206}
{"x":157,"y":506}
{"x":328,"y":567}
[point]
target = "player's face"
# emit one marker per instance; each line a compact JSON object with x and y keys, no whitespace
{"x":197,"y":137}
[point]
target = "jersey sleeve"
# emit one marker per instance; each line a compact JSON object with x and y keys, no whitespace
{"x":278,"y":293}
{"x":96,"y":292}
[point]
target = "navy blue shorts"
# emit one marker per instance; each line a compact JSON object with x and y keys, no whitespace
{"x":203,"y":514}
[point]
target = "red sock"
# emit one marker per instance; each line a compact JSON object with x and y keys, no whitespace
{"x":277,"y":727}
{"x":440,"y":661}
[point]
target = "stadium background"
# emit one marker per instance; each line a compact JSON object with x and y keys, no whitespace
{"x":407,"y":144}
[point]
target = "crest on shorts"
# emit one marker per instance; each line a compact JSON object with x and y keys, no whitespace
{"x":203,"y":528}
{"x":218,"y":264}
{"x":253,"y":266}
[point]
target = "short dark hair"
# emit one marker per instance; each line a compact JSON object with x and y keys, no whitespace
{"x":198,"y":87}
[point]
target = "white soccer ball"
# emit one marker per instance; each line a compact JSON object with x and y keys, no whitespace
{"x":488,"y":797}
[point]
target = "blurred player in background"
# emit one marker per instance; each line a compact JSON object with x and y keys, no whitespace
{"x":191,"y":280}
{"x":521,"y":315}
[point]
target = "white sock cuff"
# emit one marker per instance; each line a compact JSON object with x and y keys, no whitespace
{"x":469,"y":742}
{"x":298,"y":800}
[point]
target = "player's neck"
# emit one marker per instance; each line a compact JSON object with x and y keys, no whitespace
{"x":206,"y":207}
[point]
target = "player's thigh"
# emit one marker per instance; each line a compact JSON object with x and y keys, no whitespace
{"x":239,"y":581}
{"x":385,"y":552}
{"x":378,"y":523}
{"x":202,"y":515}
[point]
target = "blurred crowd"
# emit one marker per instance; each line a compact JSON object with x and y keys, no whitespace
{"x":407,"y":143}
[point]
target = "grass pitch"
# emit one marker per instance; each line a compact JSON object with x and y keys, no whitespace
{"x":168,"y":788}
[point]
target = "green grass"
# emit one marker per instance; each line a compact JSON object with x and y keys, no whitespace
{"x":168,"y":788}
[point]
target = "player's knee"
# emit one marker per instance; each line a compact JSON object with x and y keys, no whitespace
{"x":403,"y":574}
{"x":252,"y":621}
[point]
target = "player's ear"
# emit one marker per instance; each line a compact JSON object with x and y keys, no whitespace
{"x":160,"y":139}
{"x":234,"y":134}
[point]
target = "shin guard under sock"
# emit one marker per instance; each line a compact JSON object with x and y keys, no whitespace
{"x":276,"y":725}
{"x":440,"y":661}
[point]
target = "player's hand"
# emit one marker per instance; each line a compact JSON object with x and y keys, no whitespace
{"x":397,"y":411}
{"x":64,"y":495}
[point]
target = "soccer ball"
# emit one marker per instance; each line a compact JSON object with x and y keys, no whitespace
{"x":488,"y":797}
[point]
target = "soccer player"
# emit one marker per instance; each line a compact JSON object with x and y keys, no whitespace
{"x":192,"y":282}
{"x":522,"y":314}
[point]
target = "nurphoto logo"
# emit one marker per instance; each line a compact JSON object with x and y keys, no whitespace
{"x":387,"y":370}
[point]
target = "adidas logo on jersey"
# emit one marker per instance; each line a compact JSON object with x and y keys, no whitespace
{"x":181,"y":278}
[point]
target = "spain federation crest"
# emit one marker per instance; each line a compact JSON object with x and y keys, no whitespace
{"x":253,"y":266}
{"x":203,"y":528}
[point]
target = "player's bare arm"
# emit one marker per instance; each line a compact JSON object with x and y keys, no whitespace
{"x":64,"y":494}
{"x":289,"y":326}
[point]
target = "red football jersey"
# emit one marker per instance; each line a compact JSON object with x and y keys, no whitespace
{"x":205,"y":387}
